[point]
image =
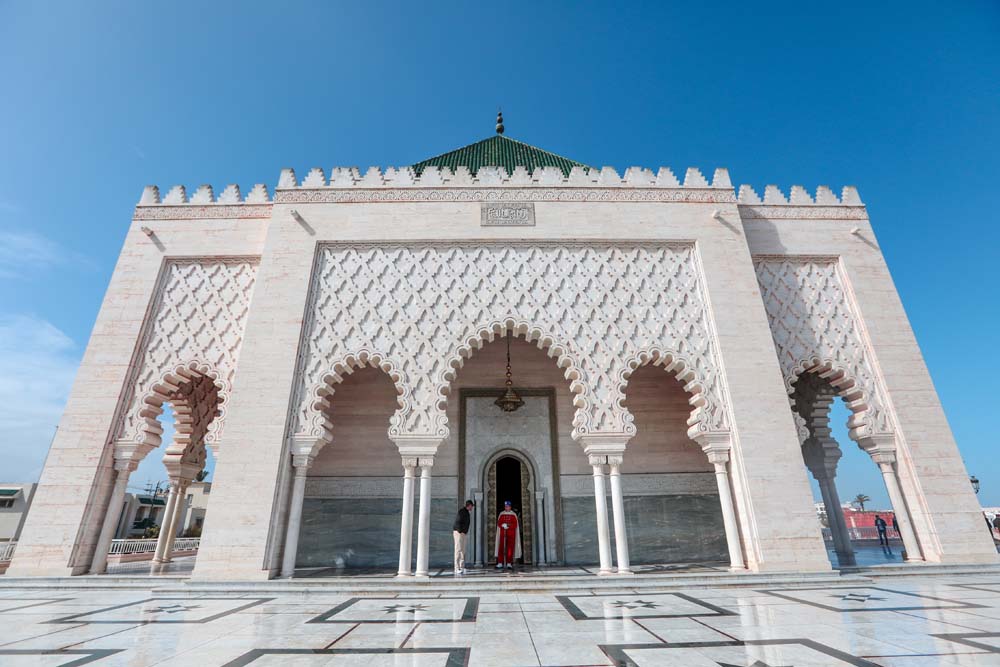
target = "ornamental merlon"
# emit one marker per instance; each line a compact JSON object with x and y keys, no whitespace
{"x":799,"y":204}
{"x":495,"y":176}
{"x":203,"y":203}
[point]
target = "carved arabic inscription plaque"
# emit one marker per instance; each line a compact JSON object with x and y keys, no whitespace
{"x":508,"y":214}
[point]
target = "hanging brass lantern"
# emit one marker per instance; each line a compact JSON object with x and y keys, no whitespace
{"x":509,"y":401}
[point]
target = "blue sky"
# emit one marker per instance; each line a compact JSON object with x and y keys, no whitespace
{"x":900,"y":99}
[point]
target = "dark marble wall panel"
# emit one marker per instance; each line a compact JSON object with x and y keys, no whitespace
{"x":364,"y":532}
{"x":661,"y":529}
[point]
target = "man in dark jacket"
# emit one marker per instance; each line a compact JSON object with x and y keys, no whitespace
{"x":880,"y":526}
{"x":460,"y":531}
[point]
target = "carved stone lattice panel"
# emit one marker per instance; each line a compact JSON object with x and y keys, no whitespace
{"x":816,"y":328}
{"x":418,"y":310}
{"x":195,"y":329}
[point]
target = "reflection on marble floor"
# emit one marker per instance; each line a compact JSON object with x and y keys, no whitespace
{"x":913,"y":621}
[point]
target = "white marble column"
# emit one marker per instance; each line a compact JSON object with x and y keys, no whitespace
{"x":542,"y":540}
{"x":168,"y":549}
{"x":123,"y":468}
{"x":821,"y":455}
{"x":301,"y":464}
{"x":160,"y":555}
{"x":717,"y":447}
{"x":618,"y":511}
{"x":480,"y":543}
{"x":424,"y":518}
{"x":303,"y":451}
{"x":882,"y":449}
{"x":910,"y":543}
{"x":601,"y":505}
{"x":406,"y":520}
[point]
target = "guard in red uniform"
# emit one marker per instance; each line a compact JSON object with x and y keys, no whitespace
{"x":508,"y":545}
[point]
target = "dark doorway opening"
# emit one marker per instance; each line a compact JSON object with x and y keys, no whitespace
{"x":509,"y":484}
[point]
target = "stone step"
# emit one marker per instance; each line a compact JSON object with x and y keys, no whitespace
{"x":520,"y":583}
{"x":923,"y":569}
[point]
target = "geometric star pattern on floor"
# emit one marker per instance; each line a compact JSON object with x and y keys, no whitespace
{"x":635,"y":604}
{"x":174,"y":608}
{"x":407,"y":609}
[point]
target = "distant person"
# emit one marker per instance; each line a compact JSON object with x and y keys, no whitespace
{"x":895,"y":526}
{"x":880,"y":526}
{"x":996,"y":523}
{"x":460,"y":532}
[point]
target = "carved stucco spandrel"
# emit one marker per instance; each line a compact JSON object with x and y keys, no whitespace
{"x":188,"y":354}
{"x":418,"y":310}
{"x":816,"y":328}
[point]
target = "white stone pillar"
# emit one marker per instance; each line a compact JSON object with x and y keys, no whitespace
{"x":123,"y":468}
{"x":618,"y":511}
{"x":160,"y":555}
{"x":480,"y":543}
{"x":717,"y":447}
{"x":899,"y":509}
{"x":406,"y":520}
{"x":882,"y":449}
{"x":424,"y":518}
{"x":821,"y":455}
{"x":175,"y":517}
{"x":301,"y":464}
{"x":601,"y":505}
{"x":542,"y":536}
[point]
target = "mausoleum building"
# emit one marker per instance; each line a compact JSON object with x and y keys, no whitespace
{"x":668,"y":349}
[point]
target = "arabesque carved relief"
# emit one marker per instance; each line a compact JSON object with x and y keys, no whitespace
{"x":816,"y":328}
{"x":417,"y":310}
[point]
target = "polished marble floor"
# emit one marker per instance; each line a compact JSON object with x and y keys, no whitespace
{"x":913,"y":621}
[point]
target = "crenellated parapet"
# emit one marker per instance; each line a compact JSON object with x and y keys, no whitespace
{"x":348,"y":184}
{"x":800,"y":204}
{"x":203,"y":203}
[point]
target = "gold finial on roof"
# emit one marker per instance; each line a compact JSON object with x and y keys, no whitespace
{"x":499,"y":122}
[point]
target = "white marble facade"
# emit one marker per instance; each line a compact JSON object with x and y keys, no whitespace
{"x":248,"y":314}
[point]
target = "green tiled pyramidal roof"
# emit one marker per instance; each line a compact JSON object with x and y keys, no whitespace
{"x":498,"y":151}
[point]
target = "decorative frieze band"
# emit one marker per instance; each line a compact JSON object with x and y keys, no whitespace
{"x":789,"y":212}
{"x":536,"y":194}
{"x":194,"y":212}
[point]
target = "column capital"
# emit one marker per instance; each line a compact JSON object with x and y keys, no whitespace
{"x":596,"y":460}
{"x":417,"y":445}
{"x":604,"y":444}
{"x":410,"y":462}
{"x":881,"y":447}
{"x":717,"y":445}
{"x":821,"y":456}
{"x":128,"y":451}
{"x":125,"y":465}
{"x":615,"y":461}
{"x":478,"y":497}
{"x":426,"y":462}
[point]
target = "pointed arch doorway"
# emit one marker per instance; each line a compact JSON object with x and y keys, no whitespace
{"x":509,"y":477}
{"x":528,"y":438}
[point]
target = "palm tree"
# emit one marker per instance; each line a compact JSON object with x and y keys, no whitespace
{"x":861,"y":499}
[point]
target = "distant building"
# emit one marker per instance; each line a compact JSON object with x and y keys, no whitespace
{"x":15,"y":499}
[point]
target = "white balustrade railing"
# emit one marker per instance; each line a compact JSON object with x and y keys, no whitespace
{"x":7,"y":550}
{"x":128,"y":547}
{"x":187,"y":543}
